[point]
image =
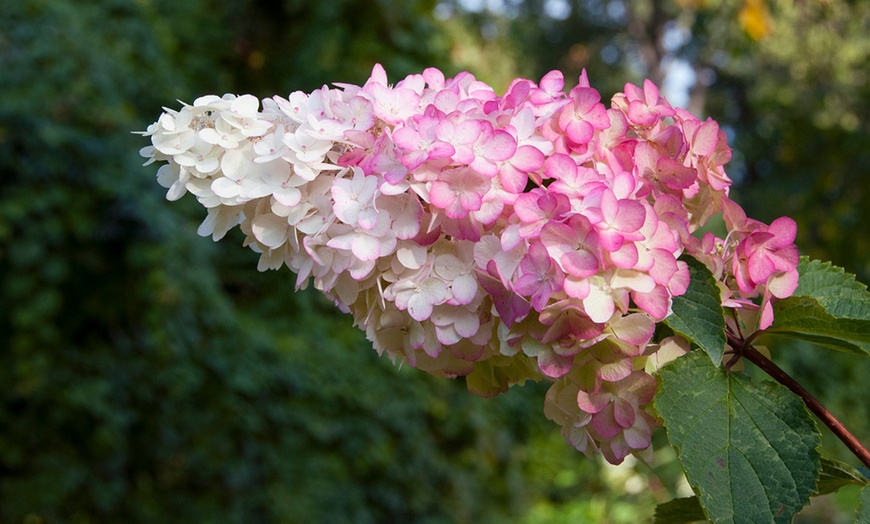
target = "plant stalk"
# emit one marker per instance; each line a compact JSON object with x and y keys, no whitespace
{"x":753,"y":355}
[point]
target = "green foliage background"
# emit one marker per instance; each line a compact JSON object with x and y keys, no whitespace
{"x":149,"y":375}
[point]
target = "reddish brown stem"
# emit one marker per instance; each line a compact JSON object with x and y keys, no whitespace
{"x":751,"y":354}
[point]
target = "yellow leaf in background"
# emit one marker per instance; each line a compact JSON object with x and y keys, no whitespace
{"x":692,"y":4}
{"x":755,"y":19}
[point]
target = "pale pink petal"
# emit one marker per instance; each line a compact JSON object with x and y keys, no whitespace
{"x":226,"y":188}
{"x":766,"y":318}
{"x":634,"y":280}
{"x":554,"y":365}
{"x":447,"y":335}
{"x":484,"y":166}
{"x":605,"y":423}
{"x":501,"y":146}
{"x":599,"y":305}
{"x":592,"y":403}
{"x":642,"y":385}
{"x":630,"y":216}
{"x":580,"y":263}
{"x":783,"y":284}
{"x":470,"y":201}
{"x":406,"y":138}
{"x":270,"y":230}
{"x":578,"y":131}
{"x":510,"y":306}
{"x":616,"y":370}
{"x":467,"y":325}
{"x":434,"y":77}
{"x":626,"y":256}
{"x":441,"y":195}
{"x":434,"y":290}
{"x":527,"y":158}
{"x":576,"y":287}
{"x":784,"y":230}
{"x":679,"y":283}
{"x":640,"y":434}
{"x":635,"y":328}
{"x":513,"y":180}
{"x":656,"y":302}
{"x":365,"y":247}
{"x":560,"y":166}
{"x":465,"y":289}
{"x":624,"y":413}
{"x":419,"y":308}
{"x":467,"y":131}
{"x":706,"y":138}
{"x":553,"y":82}
{"x":639,"y":113}
{"x":467,"y":352}
{"x":379,"y":75}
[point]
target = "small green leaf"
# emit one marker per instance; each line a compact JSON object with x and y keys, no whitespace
{"x":862,"y":516}
{"x":680,"y":511}
{"x":835,"y":474}
{"x":829,"y":308}
{"x":837,"y":291}
{"x":749,"y":450}
{"x":806,"y":318}
{"x":697,"y":314}
{"x":828,"y":342}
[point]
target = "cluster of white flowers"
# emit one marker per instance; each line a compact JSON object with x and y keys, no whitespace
{"x":278,"y":172}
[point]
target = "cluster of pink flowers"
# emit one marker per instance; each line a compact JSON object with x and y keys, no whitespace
{"x":537,"y":232}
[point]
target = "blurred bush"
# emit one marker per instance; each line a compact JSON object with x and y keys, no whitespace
{"x":149,"y":375}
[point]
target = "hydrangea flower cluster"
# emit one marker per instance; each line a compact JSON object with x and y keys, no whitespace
{"x":531,"y":235}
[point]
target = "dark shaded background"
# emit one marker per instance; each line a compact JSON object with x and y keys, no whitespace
{"x":149,"y":375}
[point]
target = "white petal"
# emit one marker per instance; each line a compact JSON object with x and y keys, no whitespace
{"x":465,"y":289}
{"x":341,"y":241}
{"x":467,"y":325}
{"x":233,"y":164}
{"x":434,"y":290}
{"x":599,"y":305}
{"x":208,"y":165}
{"x":419,"y":307}
{"x":640,"y":282}
{"x":177,"y":190}
{"x":245,"y":105}
{"x":411,"y":256}
{"x":366,"y":247}
{"x":270,"y":230}
{"x":636,"y":328}
{"x":447,"y":335}
{"x":288,"y":196}
{"x":168,"y":174}
{"x":225,"y":188}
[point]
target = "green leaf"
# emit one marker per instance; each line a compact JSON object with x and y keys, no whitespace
{"x":829,"y":308}
{"x":748,"y":450}
{"x":862,"y":516}
{"x":837,"y":291}
{"x":697,"y":314}
{"x":496,"y":374}
{"x":835,"y":474}
{"x":828,"y":342}
{"x":806,"y":318}
{"x":680,"y":511}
